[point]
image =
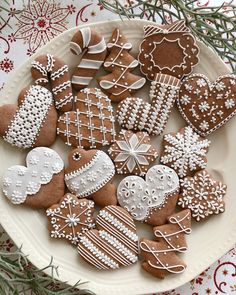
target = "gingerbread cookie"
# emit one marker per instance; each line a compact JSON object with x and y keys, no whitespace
{"x":92,"y":124}
{"x":120,"y":83}
{"x":202,"y":195}
{"x":90,"y":174}
{"x":49,"y":68}
{"x":161,"y":256}
{"x":40,"y":183}
{"x":153,"y":199}
{"x":185,"y":151}
{"x":169,"y":49}
{"x":207,"y":106}
{"x":92,"y":46}
{"x":114,"y":244}
{"x":71,"y":218}
{"x":132,"y":153}
{"x":136,"y":114}
{"x":32,"y":122}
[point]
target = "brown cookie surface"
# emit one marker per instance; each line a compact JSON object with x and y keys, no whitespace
{"x":207,"y":106}
{"x":91,"y":125}
{"x":202,"y":195}
{"x":159,"y":44}
{"x":114,"y":243}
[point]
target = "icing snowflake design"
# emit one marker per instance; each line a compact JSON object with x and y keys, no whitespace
{"x":71,"y":218}
{"x":202,"y":195}
{"x":185,"y":151}
{"x":132,"y":153}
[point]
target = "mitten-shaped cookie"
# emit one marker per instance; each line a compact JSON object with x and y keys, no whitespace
{"x":49,"y":68}
{"x":32,"y":122}
{"x":40,"y":183}
{"x":161,"y":256}
{"x":89,"y":174}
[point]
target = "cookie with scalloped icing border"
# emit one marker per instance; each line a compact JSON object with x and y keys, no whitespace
{"x":89,"y":175}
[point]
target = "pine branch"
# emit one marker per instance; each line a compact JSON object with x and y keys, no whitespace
{"x":214,"y":25}
{"x":17,"y":276}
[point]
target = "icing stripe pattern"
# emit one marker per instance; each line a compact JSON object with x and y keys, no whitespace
{"x":114,"y":244}
{"x":94,"y":46}
{"x":29,"y":116}
{"x":48,"y":68}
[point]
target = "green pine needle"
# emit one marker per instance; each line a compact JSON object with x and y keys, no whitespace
{"x":212,"y":25}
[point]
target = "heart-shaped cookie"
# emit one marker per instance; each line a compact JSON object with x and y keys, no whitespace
{"x":91,"y":125}
{"x":136,"y":114}
{"x":114,"y":244}
{"x":207,"y":106}
{"x":23,"y":182}
{"x":140,"y":197}
{"x":33,"y":122}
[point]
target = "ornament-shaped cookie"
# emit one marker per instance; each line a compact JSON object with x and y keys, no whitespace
{"x":161,"y":257}
{"x":90,"y":174}
{"x":132,"y":153}
{"x":49,"y":68}
{"x":151,"y":200}
{"x":70,"y":218}
{"x":40,"y":183}
{"x":169,"y":49}
{"x":202,"y":195}
{"x":185,"y":151}
{"x":92,"y":124}
{"x":207,"y":106}
{"x":114,"y":243}
{"x":137,"y":114}
{"x":32,"y":122}
{"x":120,"y":83}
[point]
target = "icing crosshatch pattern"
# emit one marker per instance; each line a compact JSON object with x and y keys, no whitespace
{"x":16,"y":46}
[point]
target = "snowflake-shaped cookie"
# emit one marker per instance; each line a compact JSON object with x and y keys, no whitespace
{"x":71,"y":218}
{"x":132,"y":153}
{"x":202,"y":195}
{"x":185,"y":151}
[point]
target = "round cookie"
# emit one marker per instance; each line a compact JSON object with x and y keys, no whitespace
{"x":184,"y":151}
{"x":168,"y":49}
{"x":114,"y":243}
{"x":132,"y":153}
{"x":32,"y":122}
{"x":40,"y":183}
{"x":70,"y":218}
{"x":92,"y":124}
{"x":151,"y":200}
{"x":90,"y":174}
{"x":49,"y":68}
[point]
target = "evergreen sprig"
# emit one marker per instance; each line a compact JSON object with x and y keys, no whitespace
{"x":214,"y":25}
{"x":18,"y":276}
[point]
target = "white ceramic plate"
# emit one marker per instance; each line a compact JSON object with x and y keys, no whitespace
{"x":208,"y":241}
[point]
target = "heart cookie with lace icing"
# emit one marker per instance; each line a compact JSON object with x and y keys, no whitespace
{"x":114,"y":243}
{"x":153,"y":199}
{"x":27,"y":184}
{"x":207,"y":106}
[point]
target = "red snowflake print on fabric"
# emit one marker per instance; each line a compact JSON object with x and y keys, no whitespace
{"x":6,"y":65}
{"x":41,"y":21}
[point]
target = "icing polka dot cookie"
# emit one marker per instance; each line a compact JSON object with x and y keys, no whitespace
{"x":207,"y":106}
{"x":90,"y":174}
{"x":92,"y":124}
{"x":202,"y":195}
{"x":70,"y":218}
{"x":151,"y":200}
{"x":185,"y":151}
{"x":114,"y":243}
{"x":132,"y":153}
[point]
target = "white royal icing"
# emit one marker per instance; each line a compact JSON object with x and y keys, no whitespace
{"x":29,"y":118}
{"x":139,"y":196}
{"x":91,"y":177}
{"x":20,"y":181}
